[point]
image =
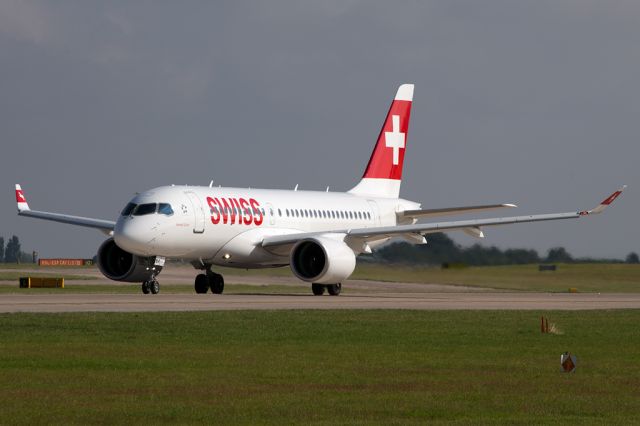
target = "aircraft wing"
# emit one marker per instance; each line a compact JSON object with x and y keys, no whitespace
{"x":474,"y":227}
{"x":105,"y":226}
{"x":420,"y":214}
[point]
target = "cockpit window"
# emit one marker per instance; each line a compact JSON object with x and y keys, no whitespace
{"x":144,"y":209}
{"x":128,"y":209}
{"x":165,"y":208}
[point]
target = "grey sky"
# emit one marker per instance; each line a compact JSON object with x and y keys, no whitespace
{"x":536,"y":103}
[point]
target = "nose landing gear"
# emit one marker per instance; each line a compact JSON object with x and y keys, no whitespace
{"x":207,"y":281}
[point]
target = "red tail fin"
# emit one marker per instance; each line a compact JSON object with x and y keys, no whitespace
{"x":384,"y":171}
{"x":388,"y":156}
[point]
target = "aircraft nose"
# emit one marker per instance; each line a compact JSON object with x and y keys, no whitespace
{"x":134,"y":235}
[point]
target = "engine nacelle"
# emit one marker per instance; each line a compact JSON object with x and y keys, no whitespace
{"x":120,"y":265}
{"x":322,"y":260}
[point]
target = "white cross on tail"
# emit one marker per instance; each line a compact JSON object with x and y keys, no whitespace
{"x":395,"y":139}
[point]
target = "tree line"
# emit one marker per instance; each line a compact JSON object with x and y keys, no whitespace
{"x":441,"y":249}
{"x":11,"y":252}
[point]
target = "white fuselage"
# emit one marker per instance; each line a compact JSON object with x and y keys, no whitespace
{"x":224,"y":226}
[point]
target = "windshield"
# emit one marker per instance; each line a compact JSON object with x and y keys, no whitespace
{"x":145,"y":209}
{"x":165,"y":208}
{"x":128,"y":209}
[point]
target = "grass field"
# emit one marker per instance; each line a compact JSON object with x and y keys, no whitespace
{"x":603,"y":278}
{"x":15,"y":275}
{"x":133,"y":288}
{"x":319,"y":367}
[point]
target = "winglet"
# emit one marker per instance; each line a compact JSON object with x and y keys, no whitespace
{"x":604,"y":204}
{"x":21,"y":200}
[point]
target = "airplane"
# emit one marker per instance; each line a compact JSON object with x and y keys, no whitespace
{"x":318,"y":234}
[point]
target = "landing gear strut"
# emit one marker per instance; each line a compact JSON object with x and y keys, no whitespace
{"x":207,"y":281}
{"x":332,"y":289}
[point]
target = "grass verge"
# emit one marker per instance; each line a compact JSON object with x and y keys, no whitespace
{"x":319,"y":367}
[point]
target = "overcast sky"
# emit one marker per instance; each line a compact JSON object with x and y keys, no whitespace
{"x":535,"y":103}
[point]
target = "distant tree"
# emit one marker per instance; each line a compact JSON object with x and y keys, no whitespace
{"x":559,"y":255}
{"x":632,"y":258}
{"x":521,"y":256}
{"x":1,"y":249}
{"x":12,"y":253}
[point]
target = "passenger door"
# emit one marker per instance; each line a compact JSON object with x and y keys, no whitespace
{"x":198,"y":212}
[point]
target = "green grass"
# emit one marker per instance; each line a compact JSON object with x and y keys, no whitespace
{"x":603,"y":278}
{"x":607,"y":278}
{"x":133,"y":288}
{"x":319,"y":367}
{"x":15,"y":275}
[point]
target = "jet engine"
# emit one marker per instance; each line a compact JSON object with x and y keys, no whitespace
{"x":322,"y":260}
{"x":120,"y":265}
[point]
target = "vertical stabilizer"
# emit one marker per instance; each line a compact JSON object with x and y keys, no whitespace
{"x":383,"y":174}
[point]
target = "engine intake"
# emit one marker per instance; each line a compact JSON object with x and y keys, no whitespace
{"x":322,"y":260}
{"x":120,"y":265}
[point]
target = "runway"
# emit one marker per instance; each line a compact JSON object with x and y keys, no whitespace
{"x":11,"y":303}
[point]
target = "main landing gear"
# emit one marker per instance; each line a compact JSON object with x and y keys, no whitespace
{"x":207,"y":281}
{"x":151,"y":286}
{"x":332,"y":289}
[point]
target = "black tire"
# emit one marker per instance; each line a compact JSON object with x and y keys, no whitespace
{"x":201,"y":284}
{"x":317,"y":289}
{"x":154,"y":286}
{"x":334,"y":289}
{"x":217,"y":283}
{"x":145,"y":288}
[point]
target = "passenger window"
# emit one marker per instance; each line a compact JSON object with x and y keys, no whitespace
{"x":128,"y":209}
{"x":165,"y":209}
{"x":145,"y":209}
{"x":279,"y":213}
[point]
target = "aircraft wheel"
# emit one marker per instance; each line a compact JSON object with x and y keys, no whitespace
{"x":145,"y":287}
{"x":154,"y":286}
{"x":334,"y":289}
{"x":217,"y":283}
{"x":317,"y":289}
{"x":202,"y":284}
